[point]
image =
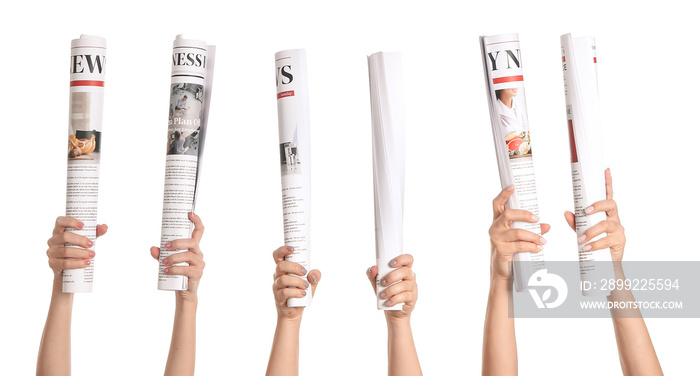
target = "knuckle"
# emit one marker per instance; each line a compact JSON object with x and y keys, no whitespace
{"x":520,"y":233}
{"x":285,"y":293}
{"x":507,"y":214}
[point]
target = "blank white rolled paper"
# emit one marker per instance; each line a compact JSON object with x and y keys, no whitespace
{"x":388,"y":155}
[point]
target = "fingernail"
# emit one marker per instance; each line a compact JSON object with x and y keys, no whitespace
{"x":587,"y":247}
{"x":306,"y":284}
{"x":87,"y":262}
{"x":510,"y":188}
{"x":81,"y":225}
{"x":369,"y":270}
{"x":535,"y":218}
{"x":167,"y":245}
{"x":543,"y":240}
{"x":314,"y":277}
{"x":92,"y":254}
{"x":392,"y":263}
{"x":383,"y":282}
{"x":303,"y":293}
{"x":166,"y":270}
{"x":581,"y":238}
{"x":382,"y":295}
{"x":290,"y":248}
{"x":540,"y":247}
{"x":165,"y":261}
{"x":388,"y":303}
{"x":89,"y":244}
{"x":303,"y":271}
{"x":589,"y":210}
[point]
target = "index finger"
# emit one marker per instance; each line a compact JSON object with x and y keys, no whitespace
{"x":403,"y":260}
{"x":62,"y":223}
{"x":198,"y":227}
{"x":281,"y":252}
{"x":499,"y":203}
{"x":608,"y":185}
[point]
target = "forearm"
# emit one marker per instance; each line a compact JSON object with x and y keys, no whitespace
{"x":403,"y":358}
{"x":284,"y":356}
{"x":636,"y":351}
{"x":54,"y":350}
{"x":500,"y":356}
{"x":181,"y":357}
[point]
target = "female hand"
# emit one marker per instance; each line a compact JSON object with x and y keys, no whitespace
{"x":507,"y":241}
{"x":615,"y":239}
{"x":193,"y":256}
{"x":402,"y":286}
{"x":288,"y":286}
{"x":62,"y":256}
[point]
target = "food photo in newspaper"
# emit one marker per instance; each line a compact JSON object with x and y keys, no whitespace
{"x":503,"y":72}
{"x":87,"y":76}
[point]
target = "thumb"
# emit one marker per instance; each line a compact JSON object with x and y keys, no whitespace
{"x":101,"y":230}
{"x":313,"y":277}
{"x":372,"y":276}
{"x":501,"y":200}
{"x":155,"y":252}
{"x":544,"y":228}
{"x":570,"y":219}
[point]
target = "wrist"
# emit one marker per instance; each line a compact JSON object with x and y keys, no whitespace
{"x":289,"y":322}
{"x":185,"y":300}
{"x":498,"y":283}
{"x":58,"y":285}
{"x":394,"y":323}
{"x":619,"y":272}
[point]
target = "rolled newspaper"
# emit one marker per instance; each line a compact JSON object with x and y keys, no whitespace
{"x":579,"y":61}
{"x":293,"y":121}
{"x":388,"y":156}
{"x":190,"y":95}
{"x":87,"y":75}
{"x":511,"y":137}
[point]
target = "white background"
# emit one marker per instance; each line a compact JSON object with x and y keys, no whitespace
{"x":647,"y":58}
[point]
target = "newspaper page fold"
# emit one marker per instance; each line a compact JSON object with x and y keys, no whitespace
{"x":511,"y":136}
{"x":388,"y":156}
{"x":579,"y":61}
{"x":295,"y":150}
{"x":87,"y":75}
{"x":190,"y":95}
